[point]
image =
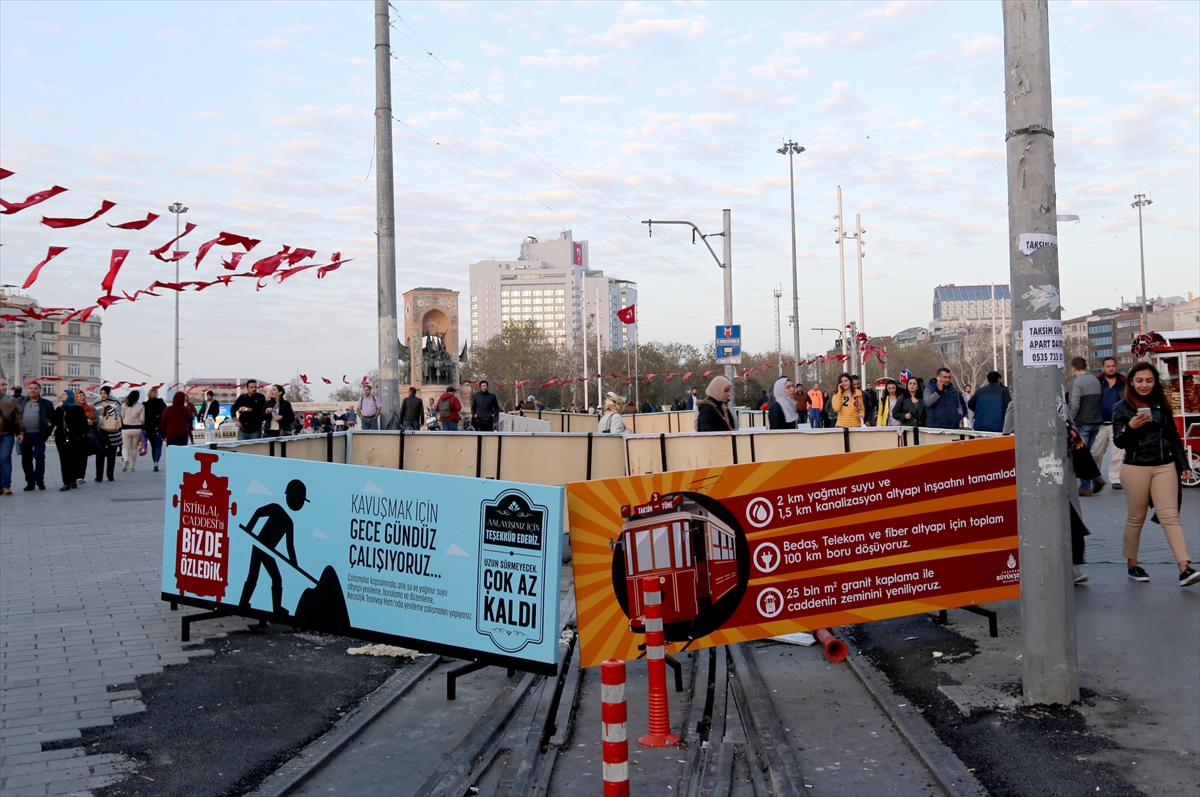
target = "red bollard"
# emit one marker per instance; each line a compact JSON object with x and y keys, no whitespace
{"x":660,"y":714}
{"x":613,"y":715}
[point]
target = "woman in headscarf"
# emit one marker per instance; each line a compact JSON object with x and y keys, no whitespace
{"x":70,"y":432}
{"x":611,"y":421}
{"x":713,"y":413}
{"x":177,"y":420}
{"x":782,"y":413}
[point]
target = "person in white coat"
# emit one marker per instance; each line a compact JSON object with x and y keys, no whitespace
{"x":611,"y":421}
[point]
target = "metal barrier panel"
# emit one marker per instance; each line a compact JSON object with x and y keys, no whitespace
{"x":608,"y":455}
{"x":644,"y":455}
{"x":376,"y":449}
{"x":689,"y":452}
{"x":543,"y":459}
{"x":874,"y":439}
{"x":450,"y":453}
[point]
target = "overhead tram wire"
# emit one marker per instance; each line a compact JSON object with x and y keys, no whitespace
{"x":571,"y":183}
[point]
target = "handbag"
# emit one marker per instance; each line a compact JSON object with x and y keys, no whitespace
{"x":143,"y":445}
{"x":91,"y":442}
{"x":110,"y":423}
{"x":1085,"y":464}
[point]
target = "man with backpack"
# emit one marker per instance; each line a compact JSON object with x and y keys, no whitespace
{"x":448,"y":407}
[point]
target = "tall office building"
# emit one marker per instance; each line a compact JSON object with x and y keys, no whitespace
{"x":551,"y":285}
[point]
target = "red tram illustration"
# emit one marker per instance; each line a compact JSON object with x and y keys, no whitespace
{"x":693,"y":552}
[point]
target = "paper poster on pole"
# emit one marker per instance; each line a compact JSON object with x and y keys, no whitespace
{"x":752,"y":551}
{"x":444,"y":564}
{"x":1042,"y":343}
{"x":1030,"y":242}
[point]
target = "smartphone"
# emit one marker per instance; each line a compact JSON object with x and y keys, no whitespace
{"x":1143,"y":411}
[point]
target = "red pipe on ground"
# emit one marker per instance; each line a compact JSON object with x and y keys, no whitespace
{"x":835,"y":649}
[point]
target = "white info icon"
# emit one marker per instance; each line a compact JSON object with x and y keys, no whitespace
{"x":766,"y":557}
{"x":770,"y":602}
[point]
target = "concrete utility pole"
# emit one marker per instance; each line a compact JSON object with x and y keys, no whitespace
{"x":1139,"y":202}
{"x":791,"y":148}
{"x":841,"y":242}
{"x":726,"y":265}
{"x":178,"y":209}
{"x":385,"y":203}
{"x":1049,"y":654}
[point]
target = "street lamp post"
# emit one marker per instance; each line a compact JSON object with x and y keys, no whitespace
{"x":791,"y":148}
{"x":1140,"y":201}
{"x":778,"y":292}
{"x":178,"y":209}
{"x":726,"y":266}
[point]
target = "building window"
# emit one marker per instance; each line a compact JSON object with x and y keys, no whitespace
{"x":72,"y":369}
{"x":94,"y":370}
{"x":95,"y":330}
{"x":1100,"y":328}
{"x":48,"y":369}
{"x":1102,"y":341}
{"x":47,"y":347}
{"x":72,"y":329}
{"x":95,"y":350}
{"x":73,"y":351}
{"x":48,"y":326}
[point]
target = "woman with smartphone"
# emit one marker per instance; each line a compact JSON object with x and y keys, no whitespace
{"x":1154,"y":463}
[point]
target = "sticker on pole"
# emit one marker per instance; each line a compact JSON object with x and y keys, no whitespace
{"x":1043,"y":343}
{"x":1029,"y":242}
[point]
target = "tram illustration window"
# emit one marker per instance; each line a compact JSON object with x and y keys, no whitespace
{"x":662,"y":549}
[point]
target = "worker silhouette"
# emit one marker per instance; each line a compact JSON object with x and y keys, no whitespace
{"x":277,"y":525}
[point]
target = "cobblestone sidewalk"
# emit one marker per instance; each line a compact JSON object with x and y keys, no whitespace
{"x":80,"y":619}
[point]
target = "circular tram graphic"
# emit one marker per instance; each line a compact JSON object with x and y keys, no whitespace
{"x":699,"y":552}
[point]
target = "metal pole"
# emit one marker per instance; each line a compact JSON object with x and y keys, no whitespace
{"x":795,"y":277}
{"x":779,"y":339}
{"x":599,"y":361}
{"x":994,"y":361}
{"x":1140,"y":201}
{"x":19,"y":344}
{"x":583,"y":339}
{"x":637,"y":377}
{"x":728,"y":267}
{"x":859,"y":365}
{"x":385,"y":202}
{"x":1049,"y":653}
{"x":842,"y":270}
{"x":177,"y":208}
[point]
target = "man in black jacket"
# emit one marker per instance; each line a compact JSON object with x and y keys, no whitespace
{"x":248,"y":412}
{"x":412,"y":411}
{"x":484,"y":409}
{"x":37,"y":425}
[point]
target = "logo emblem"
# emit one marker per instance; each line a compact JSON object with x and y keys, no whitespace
{"x":759,"y":512}
{"x":1012,"y":561}
{"x":770,"y":602}
{"x":766,"y":557}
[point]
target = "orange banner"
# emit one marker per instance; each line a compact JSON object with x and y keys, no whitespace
{"x":753,"y":551}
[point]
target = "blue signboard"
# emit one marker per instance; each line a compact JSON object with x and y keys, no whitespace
{"x":447,"y":564}
{"x":729,"y":345}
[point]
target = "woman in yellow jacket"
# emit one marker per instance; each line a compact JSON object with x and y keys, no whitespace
{"x":848,"y":403}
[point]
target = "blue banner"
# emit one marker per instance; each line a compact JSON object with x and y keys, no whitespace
{"x":440,"y":563}
{"x":729,"y":345}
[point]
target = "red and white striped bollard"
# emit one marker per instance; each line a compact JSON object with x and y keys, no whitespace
{"x":660,"y":713}
{"x":613,"y":714}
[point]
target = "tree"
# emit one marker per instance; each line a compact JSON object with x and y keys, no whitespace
{"x":297,"y":390}
{"x":354,"y":392}
{"x":521,"y":352}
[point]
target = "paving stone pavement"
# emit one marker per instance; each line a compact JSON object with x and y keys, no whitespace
{"x":80,"y":619}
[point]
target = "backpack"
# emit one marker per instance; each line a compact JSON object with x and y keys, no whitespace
{"x":444,"y":409}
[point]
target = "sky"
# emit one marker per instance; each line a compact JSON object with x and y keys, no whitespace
{"x":515,"y":119}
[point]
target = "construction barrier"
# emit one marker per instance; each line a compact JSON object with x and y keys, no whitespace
{"x":659,"y":734}
{"x":613,"y":716}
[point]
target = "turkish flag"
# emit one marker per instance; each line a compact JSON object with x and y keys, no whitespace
{"x":579,"y":254}
{"x":628,"y":315}
{"x":57,"y":224}
{"x":136,"y":225}
{"x":52,"y":252}
{"x":31,"y":200}
{"x":114,"y":265}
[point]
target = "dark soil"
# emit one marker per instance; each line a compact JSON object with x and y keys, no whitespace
{"x":1038,"y":751}
{"x":221,"y":724}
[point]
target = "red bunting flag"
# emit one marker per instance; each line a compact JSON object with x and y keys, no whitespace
{"x":551,"y":383}
{"x":688,"y":375}
{"x":344,"y":382}
{"x":267,"y":266}
{"x":61,"y":223}
{"x":503,"y":384}
{"x":650,"y":376}
{"x":51,"y":253}
{"x":326,"y":381}
{"x":615,"y":375}
{"x":114,"y":265}
{"x":108,"y":301}
{"x":5,"y":173}
{"x":33,"y":199}
{"x":232,"y":263}
{"x":187,"y":228}
{"x":669,"y":376}
{"x":705,"y":374}
{"x":628,"y":315}
{"x":136,"y":225}
{"x":82,"y":315}
{"x":227,"y":239}
{"x":336,"y":262}
{"x":364,"y":381}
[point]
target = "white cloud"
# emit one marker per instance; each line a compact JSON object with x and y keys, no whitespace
{"x":454,"y":550}
{"x":370,"y":487}
{"x":320,"y":535}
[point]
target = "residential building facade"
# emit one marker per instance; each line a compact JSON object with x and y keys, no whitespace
{"x":60,"y":355}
